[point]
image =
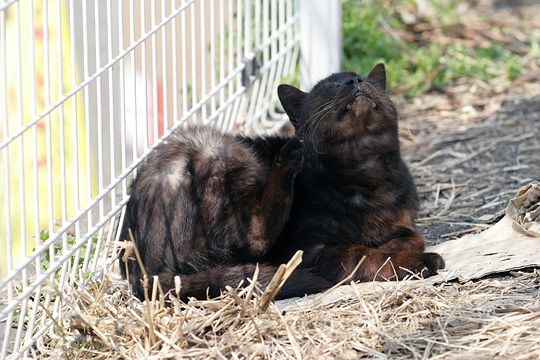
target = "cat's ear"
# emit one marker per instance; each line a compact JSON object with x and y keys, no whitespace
{"x":378,"y":75}
{"x":291,"y":99}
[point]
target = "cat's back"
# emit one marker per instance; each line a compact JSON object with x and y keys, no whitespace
{"x":198,"y":154}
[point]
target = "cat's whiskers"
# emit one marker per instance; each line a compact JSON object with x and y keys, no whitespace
{"x":312,"y":124}
{"x":318,"y":113}
{"x":306,"y":125}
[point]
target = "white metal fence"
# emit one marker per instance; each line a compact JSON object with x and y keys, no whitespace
{"x":87,"y":89}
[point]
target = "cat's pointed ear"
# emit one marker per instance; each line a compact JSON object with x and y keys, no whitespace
{"x":291,"y":99}
{"x":378,"y":75}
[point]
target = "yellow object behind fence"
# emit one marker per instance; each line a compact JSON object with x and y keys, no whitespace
{"x":43,"y":180}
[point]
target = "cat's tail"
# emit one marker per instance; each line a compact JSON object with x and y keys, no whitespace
{"x":211,"y":282}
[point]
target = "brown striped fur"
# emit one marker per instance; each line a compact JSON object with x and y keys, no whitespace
{"x":207,"y":206}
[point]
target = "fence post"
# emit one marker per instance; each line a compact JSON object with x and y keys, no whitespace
{"x":320,"y":39}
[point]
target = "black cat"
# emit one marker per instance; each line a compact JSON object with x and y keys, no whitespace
{"x":354,"y":195}
{"x":206,"y":206}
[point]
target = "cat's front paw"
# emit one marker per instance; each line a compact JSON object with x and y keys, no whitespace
{"x":291,"y":156}
{"x":430,"y":263}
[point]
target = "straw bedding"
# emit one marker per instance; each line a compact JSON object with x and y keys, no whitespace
{"x":498,"y":317}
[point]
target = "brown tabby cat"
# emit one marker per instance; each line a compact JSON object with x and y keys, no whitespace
{"x":207,"y":206}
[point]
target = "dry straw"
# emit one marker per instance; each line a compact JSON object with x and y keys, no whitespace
{"x":410,"y":319}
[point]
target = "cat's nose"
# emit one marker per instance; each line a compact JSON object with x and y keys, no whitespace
{"x":354,"y":81}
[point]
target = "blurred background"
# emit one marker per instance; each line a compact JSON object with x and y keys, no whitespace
{"x":430,"y":45}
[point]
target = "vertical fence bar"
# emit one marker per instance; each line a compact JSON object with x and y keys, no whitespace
{"x":155,"y":120}
{"x":266,"y":29}
{"x":184,"y":61}
{"x":48,"y":142}
{"x":221,"y":58}
{"x":48,"y":125}
{"x":239,"y":40}
{"x":35,"y":182}
{"x":175,"y":65}
{"x":61,"y":124}
{"x":22,"y":196}
{"x":249,"y":38}
{"x":74,"y":114}
{"x":62,"y":150}
{"x":280,"y":44}
{"x":164,"y":70}
{"x":230,"y":56}
{"x":100,"y":162}
{"x":7,"y":177}
{"x":248,"y":29}
{"x":37,"y":264}
{"x":133,"y":66}
{"x":112,"y":107}
{"x":257,"y":28}
{"x":213,"y":53}
{"x":202,"y":16}
{"x":193,"y":61}
{"x":230,"y":25}
{"x":86,"y":74}
{"x":145,"y":75}
{"x":122,"y":98}
{"x":287,"y":35}
{"x":5,"y":134}
{"x":75,"y":134}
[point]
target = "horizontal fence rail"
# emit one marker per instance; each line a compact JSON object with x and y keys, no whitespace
{"x":87,"y":90}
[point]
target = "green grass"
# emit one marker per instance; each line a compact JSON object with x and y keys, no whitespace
{"x":58,"y":249}
{"x":46,"y":263}
{"x":415,"y":69}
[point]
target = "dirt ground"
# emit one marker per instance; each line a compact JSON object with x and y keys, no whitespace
{"x":470,"y":147}
{"x":466,"y":170}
